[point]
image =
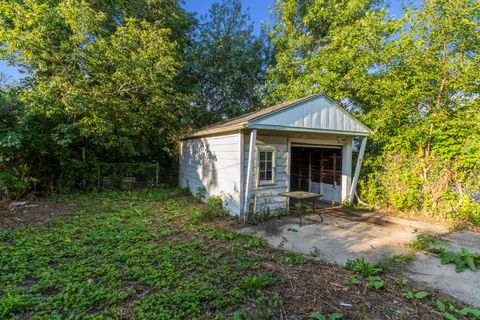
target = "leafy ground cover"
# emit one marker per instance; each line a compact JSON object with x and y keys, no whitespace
{"x":152,"y":255}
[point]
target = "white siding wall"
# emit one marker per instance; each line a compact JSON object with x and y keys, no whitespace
{"x":213,"y":163}
{"x":268,"y":195}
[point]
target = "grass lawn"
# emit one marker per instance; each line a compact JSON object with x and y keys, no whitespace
{"x":148,"y":255}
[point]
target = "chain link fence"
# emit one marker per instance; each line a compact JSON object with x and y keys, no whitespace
{"x":133,"y":175}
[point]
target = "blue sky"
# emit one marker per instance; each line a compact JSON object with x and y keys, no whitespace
{"x":259,"y":11}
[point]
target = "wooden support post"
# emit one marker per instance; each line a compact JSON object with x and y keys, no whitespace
{"x":309,"y":169}
{"x":357,"y":169}
{"x":334,"y":178}
{"x":157,"y":169}
{"x":251,"y":157}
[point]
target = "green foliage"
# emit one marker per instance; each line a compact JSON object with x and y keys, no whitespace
{"x":130,"y":66}
{"x":352,"y":281}
{"x":264,"y":308}
{"x":15,"y":136}
{"x":401,"y":282}
{"x":254,"y":242}
{"x":263,"y":214}
{"x":424,"y":154}
{"x":134,"y":252}
{"x":331,"y":316}
{"x":227,"y":64}
{"x":418,"y":295}
{"x":363,"y":267}
{"x":121,"y":80}
{"x":253,"y":283}
{"x":292,"y":259}
{"x":141,"y":253}
{"x":11,"y":303}
{"x":427,"y":243}
{"x":213,"y":209}
{"x":200,"y":193}
{"x":448,"y":311}
{"x":376,"y":282}
{"x":462,"y":260}
{"x":399,"y":259}
{"x":99,"y":75}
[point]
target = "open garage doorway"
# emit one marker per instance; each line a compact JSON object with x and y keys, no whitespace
{"x":317,"y":169}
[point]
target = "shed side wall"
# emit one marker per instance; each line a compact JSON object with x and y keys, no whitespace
{"x":213,"y":164}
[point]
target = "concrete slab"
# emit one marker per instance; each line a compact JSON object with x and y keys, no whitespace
{"x":338,"y":240}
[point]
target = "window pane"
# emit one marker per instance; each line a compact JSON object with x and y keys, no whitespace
{"x":269,"y":166}
{"x":268,"y":176}
{"x":265,"y":166}
{"x":263,"y":176}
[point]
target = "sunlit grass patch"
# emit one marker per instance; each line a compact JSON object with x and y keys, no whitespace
{"x":135,"y":253}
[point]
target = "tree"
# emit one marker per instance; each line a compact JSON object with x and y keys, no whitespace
{"x":228,"y":64}
{"x":104,"y":73}
{"x":413,"y":80}
{"x":101,"y":76}
{"x":428,"y":101}
{"x":325,"y":46}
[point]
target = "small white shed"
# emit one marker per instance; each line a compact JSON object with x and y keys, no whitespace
{"x":304,"y":145}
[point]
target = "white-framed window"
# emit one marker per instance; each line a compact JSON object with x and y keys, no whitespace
{"x":266,"y":165}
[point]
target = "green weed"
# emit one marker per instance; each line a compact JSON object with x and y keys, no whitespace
{"x":363,"y":267}
{"x":462,"y":260}
{"x":213,"y":209}
{"x":253,"y":283}
{"x":401,"y":259}
{"x":331,"y":316}
{"x":254,"y":242}
{"x":418,"y":295}
{"x":448,"y":311}
{"x":427,"y":243}
{"x":292,"y":259}
{"x":376,"y":282}
{"x":352,"y":281}
{"x":401,"y":282}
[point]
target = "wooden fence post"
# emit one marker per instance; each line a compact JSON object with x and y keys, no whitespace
{"x":157,"y":169}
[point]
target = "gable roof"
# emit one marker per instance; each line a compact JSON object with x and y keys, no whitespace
{"x":259,"y":119}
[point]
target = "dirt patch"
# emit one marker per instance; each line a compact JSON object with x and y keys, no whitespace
{"x":38,"y":212}
{"x":320,"y":286}
{"x":452,"y":225}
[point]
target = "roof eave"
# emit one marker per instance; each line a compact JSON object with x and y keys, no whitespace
{"x":306,"y":130}
{"x":205,"y":133}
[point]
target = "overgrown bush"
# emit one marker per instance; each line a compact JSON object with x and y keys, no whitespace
{"x":15,"y":182}
{"x":425,"y":185}
{"x":212,"y":209}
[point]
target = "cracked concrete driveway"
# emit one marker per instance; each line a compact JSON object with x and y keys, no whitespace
{"x":373,"y":236}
